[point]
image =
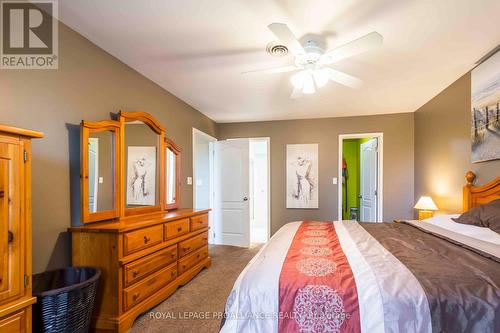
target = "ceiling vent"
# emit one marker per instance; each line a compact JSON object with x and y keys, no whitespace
{"x":277,"y":50}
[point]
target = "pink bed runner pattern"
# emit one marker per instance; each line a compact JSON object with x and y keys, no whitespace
{"x":317,"y":291}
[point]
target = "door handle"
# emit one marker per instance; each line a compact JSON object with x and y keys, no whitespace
{"x":245,"y":199}
{"x":360,"y":196}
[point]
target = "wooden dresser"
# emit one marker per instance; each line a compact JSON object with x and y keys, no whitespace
{"x":15,"y":229}
{"x":143,"y":261}
{"x":133,"y":228}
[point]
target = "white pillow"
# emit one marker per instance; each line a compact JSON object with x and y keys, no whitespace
{"x":482,"y":233}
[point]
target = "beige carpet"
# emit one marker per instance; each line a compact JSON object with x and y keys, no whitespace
{"x":204,"y":296}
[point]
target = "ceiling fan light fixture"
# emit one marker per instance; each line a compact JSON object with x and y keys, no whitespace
{"x":309,"y":87}
{"x":321,"y":77}
{"x":298,"y":79}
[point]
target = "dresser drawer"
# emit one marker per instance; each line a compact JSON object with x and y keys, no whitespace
{"x":191,"y":260}
{"x":140,"y":239}
{"x":142,"y":267}
{"x":193,"y":244}
{"x":176,"y":228}
{"x":198,"y":222}
{"x":146,"y":287}
{"x":14,"y":323}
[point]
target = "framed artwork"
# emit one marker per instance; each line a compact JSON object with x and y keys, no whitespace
{"x":485,"y":111}
{"x":302,"y":176}
{"x":141,"y":176}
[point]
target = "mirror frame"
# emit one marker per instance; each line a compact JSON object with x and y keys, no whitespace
{"x":156,"y":127}
{"x":169,"y":144}
{"x":88,"y":127}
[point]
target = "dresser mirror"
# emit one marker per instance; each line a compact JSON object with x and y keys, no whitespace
{"x":173,"y":171}
{"x":128,"y":167}
{"x":99,"y":176}
{"x":143,"y":165}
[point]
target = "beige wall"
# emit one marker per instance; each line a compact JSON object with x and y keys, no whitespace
{"x":398,"y":160}
{"x":89,"y":84}
{"x":442,"y":147}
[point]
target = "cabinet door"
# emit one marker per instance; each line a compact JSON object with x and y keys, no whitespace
{"x":11,"y":184}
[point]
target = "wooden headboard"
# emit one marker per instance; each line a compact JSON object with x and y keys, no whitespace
{"x":477,"y":195}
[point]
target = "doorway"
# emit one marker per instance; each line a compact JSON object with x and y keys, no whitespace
{"x":242,"y":187}
{"x":360,"y":169}
{"x":259,"y":190}
{"x":203,"y":173}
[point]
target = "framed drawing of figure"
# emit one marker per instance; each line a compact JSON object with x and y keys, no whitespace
{"x":302,"y":176}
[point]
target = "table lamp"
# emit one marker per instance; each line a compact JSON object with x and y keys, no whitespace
{"x":426,"y":207}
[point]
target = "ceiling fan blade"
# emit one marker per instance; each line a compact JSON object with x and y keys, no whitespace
{"x":350,"y":49}
{"x":296,"y":93}
{"x":273,"y":70}
{"x":286,"y":36}
{"x":344,"y":79}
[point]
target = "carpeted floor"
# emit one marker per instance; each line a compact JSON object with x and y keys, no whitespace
{"x":196,"y":306}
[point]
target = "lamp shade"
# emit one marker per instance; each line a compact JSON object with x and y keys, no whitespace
{"x":425,"y":203}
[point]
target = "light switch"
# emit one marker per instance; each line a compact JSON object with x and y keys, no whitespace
{"x":101,"y":180}
{"x":334,"y":181}
{"x":190,"y":180}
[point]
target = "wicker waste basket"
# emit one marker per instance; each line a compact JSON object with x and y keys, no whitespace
{"x":65,"y":299}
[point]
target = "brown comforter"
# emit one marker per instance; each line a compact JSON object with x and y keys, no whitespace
{"x":462,"y":285}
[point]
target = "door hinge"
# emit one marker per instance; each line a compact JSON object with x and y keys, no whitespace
{"x":26,"y":280}
{"x":25,"y":156}
{"x":214,"y":234}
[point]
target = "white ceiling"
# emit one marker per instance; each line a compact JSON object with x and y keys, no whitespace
{"x":196,"y":49}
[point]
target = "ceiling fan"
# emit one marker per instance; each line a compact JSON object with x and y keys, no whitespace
{"x":313,"y":62}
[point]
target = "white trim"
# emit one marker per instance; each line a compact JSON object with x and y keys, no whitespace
{"x":201,"y":133}
{"x":211,"y":139}
{"x":380,"y":178}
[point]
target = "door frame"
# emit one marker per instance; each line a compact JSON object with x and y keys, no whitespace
{"x":269,"y":190}
{"x":211,"y":139}
{"x":268,"y":144}
{"x":380,"y":175}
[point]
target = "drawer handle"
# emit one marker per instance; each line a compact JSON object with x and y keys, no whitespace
{"x":172,"y":255}
{"x":200,"y":222}
{"x":135,"y":296}
{"x":146,"y":239}
{"x":198,"y":255}
{"x":179,"y":229}
{"x":187,"y":248}
{"x":10,"y":237}
{"x":135,"y":273}
{"x":172,"y":273}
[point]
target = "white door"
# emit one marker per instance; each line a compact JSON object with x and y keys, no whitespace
{"x":368,"y":180}
{"x":232,"y":168}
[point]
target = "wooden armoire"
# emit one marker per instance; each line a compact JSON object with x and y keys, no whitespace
{"x":15,"y":229}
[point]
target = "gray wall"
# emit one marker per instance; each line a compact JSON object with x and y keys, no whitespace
{"x":443,"y":149}
{"x":89,"y":84}
{"x":398,"y":160}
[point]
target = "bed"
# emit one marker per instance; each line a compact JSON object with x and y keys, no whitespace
{"x":344,"y":276}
